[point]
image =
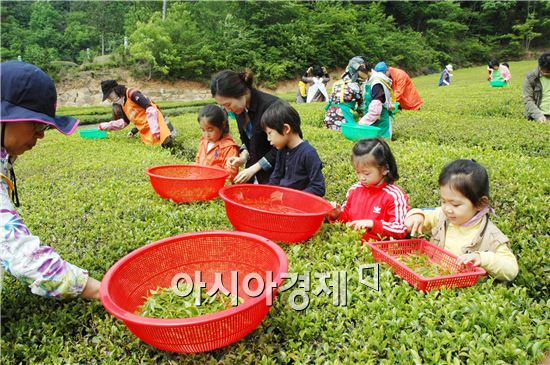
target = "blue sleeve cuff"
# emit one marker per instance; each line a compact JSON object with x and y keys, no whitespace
{"x":264,"y":164}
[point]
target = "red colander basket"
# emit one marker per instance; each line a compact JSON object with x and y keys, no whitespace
{"x":388,"y":251}
{"x":187,"y":183}
{"x":280,"y":214}
{"x":127,"y":283}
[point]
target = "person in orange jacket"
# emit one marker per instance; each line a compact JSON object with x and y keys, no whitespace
{"x":140,"y":110}
{"x":216,"y":145}
{"x":403,"y":87}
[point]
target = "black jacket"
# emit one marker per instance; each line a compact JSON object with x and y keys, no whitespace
{"x":258,"y":146}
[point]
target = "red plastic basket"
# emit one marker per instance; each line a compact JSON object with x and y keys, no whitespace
{"x":280,"y":214}
{"x":187,"y":183}
{"x":387,"y":251}
{"x":127,"y":283}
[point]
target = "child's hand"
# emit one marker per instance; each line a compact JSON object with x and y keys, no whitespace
{"x":335,"y":212}
{"x":473,"y":258}
{"x":360,"y":224}
{"x":235,"y":161}
{"x":414,"y":223}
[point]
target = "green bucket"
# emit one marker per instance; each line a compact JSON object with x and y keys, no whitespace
{"x":355,"y":132}
{"x":497,"y":83}
{"x":93,"y":134}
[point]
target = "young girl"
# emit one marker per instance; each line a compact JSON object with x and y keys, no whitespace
{"x":461,"y":225}
{"x":374,"y":203}
{"x":216,"y":145}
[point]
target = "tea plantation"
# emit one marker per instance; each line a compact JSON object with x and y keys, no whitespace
{"x":92,"y":201}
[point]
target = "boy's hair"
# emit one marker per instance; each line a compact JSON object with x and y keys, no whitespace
{"x":231,"y":84}
{"x":493,"y":64}
{"x":468,"y":178}
{"x":215,"y":116}
{"x":280,"y":113}
{"x":380,"y":152}
{"x":544,"y":60}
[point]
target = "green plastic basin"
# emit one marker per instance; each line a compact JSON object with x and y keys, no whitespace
{"x":93,"y":134}
{"x":355,"y":132}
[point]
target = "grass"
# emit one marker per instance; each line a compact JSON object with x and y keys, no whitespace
{"x":92,"y":202}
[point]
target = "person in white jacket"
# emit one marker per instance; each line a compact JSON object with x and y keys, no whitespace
{"x":28,"y":108}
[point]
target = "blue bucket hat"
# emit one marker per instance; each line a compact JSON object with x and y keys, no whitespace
{"x":29,"y":95}
{"x":381,"y":67}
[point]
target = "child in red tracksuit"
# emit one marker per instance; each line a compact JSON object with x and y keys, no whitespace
{"x":374,"y":203}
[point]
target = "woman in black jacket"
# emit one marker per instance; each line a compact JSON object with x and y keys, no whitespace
{"x":234,"y":91}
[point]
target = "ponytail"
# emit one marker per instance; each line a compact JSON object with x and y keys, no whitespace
{"x":231,"y":84}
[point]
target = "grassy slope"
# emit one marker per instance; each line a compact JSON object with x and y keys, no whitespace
{"x":93,"y":203}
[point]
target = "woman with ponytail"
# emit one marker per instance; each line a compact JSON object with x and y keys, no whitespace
{"x":235,"y":92}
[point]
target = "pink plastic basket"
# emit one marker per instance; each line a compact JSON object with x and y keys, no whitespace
{"x":187,"y":183}
{"x":280,"y":214}
{"x":127,"y":283}
{"x":463,"y":275}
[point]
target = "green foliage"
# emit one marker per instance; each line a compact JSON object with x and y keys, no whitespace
{"x":167,"y":303}
{"x":277,"y":40}
{"x":92,"y":202}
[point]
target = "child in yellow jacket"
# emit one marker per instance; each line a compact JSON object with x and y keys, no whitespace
{"x":216,"y":145}
{"x":461,"y":225}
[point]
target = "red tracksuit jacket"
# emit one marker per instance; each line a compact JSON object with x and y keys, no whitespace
{"x":386,"y":205}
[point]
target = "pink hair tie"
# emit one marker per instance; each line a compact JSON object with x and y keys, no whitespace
{"x":479,"y":215}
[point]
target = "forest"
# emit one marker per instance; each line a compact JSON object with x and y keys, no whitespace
{"x":277,"y":40}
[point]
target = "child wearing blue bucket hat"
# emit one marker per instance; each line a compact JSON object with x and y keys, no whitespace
{"x":29,"y":101}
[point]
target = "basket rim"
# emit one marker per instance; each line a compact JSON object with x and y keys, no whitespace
{"x":129,"y":317}
{"x":225,"y":198}
{"x":357,"y":126}
{"x":150,"y":172}
{"x":472,"y":269}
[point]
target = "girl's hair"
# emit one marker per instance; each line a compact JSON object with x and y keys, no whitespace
{"x":231,"y":84}
{"x":468,"y":178}
{"x":318,"y":71}
{"x":215,"y":116}
{"x":117,"y":111}
{"x":120,"y":90}
{"x":493,"y":64}
{"x":379,"y":150}
{"x":279,"y":113}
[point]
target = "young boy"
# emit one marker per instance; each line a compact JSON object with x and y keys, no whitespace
{"x":297,"y":165}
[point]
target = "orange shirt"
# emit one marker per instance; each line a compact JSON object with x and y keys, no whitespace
{"x":405,"y":92}
{"x":219,"y":154}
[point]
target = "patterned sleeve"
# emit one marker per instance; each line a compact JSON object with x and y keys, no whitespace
{"x":39,"y":267}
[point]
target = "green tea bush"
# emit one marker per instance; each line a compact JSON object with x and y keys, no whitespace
{"x":91,"y":201}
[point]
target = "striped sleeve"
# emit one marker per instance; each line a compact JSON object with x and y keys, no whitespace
{"x":397,"y":208}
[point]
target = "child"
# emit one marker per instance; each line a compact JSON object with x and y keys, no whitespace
{"x":216,"y":145}
{"x":446,"y":75}
{"x":461,"y":225}
{"x":297,"y":164}
{"x":374,"y":203}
